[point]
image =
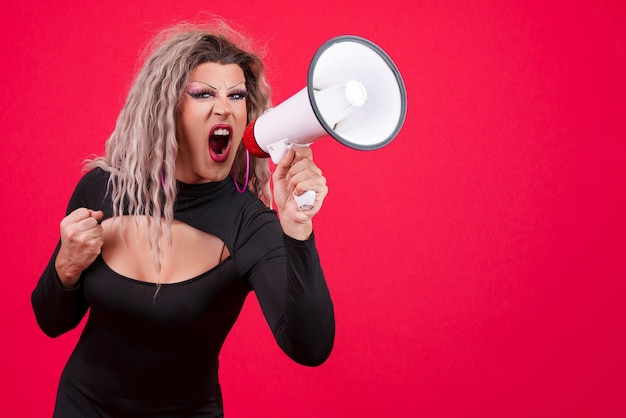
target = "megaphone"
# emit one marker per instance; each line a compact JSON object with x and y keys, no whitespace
{"x":354,"y":94}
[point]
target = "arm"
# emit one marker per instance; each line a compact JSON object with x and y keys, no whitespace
{"x":58,"y":300}
{"x":295,"y":174}
{"x":295,"y":300}
{"x":291,"y":288}
{"x":56,"y":308}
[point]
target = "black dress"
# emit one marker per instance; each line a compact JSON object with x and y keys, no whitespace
{"x":144,"y":353}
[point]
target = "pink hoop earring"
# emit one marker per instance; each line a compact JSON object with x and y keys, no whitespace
{"x":245,"y":184}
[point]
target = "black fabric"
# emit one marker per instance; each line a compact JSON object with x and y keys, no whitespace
{"x":144,"y":353}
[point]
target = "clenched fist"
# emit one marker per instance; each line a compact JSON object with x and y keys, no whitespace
{"x":81,"y":242}
{"x":295,"y":174}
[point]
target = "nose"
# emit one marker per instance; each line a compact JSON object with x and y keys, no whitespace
{"x":222,"y":105}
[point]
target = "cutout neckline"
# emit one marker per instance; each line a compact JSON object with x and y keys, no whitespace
{"x":176,"y":283}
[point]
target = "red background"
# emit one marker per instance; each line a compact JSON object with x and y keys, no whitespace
{"x":476,"y":263}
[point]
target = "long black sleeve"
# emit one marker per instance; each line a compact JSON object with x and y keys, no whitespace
{"x":57,"y":309}
{"x":157,"y":346}
{"x":299,"y":310}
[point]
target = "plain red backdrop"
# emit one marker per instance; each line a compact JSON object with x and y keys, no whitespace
{"x":476,"y":263}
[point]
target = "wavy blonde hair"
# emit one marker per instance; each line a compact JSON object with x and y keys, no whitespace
{"x":141,"y":151}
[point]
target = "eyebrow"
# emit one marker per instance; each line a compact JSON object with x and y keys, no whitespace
{"x":215,"y":88}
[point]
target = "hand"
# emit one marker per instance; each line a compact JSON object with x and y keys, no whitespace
{"x":295,"y":174}
{"x":81,"y":242}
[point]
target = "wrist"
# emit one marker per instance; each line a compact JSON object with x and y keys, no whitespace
{"x":68,"y":276}
{"x":299,"y":231}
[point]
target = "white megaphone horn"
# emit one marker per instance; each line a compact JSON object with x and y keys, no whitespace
{"x":354,"y":93}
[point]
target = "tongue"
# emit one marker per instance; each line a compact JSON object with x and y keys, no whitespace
{"x":218,"y":147}
{"x":218,"y":143}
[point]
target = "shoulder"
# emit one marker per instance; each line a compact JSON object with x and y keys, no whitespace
{"x":95,"y":176}
{"x":260,"y":224}
{"x":91,"y":190}
{"x":94,"y":183}
{"x":249,"y":216}
{"x":254,"y":211}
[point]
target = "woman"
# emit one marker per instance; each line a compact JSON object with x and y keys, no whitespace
{"x":162,"y":246}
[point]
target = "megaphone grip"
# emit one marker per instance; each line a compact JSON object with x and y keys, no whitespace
{"x":306,"y":200}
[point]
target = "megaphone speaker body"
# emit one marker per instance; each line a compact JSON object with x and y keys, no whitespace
{"x":354,"y":94}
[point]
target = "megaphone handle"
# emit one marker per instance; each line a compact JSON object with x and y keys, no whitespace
{"x":306,"y":200}
{"x":276,"y":151}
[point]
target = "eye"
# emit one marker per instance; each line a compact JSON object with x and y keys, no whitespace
{"x":238,"y":95}
{"x":201,"y":94}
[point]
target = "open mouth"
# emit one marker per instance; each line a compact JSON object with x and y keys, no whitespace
{"x":219,"y":142}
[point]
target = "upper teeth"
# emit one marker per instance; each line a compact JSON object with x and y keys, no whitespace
{"x":221,"y":131}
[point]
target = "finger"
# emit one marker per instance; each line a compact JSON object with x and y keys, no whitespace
{"x":81,"y":231}
{"x":302,"y":172}
{"x":317,"y":186}
{"x":301,"y":153}
{"x":288,"y":158}
{"x":87,"y":224}
{"x":95,"y":233}
{"x":81,"y":214}
{"x":305,"y":169}
{"x":301,"y":161}
{"x":97,"y":243}
{"x":91,"y":220}
{"x":284,"y":164}
{"x":77,"y":215}
{"x":96,"y":214}
{"x":307,"y":179}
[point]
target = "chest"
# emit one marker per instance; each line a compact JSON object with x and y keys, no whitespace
{"x":139,"y":249}
{"x":208,"y":303}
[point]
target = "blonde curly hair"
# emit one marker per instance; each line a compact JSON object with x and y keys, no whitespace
{"x":141,"y":151}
